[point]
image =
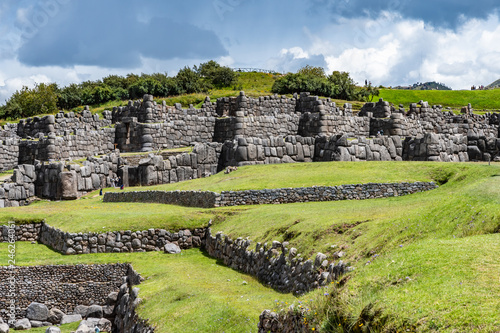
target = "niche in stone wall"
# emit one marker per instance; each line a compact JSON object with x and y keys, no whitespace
{"x":127,"y":131}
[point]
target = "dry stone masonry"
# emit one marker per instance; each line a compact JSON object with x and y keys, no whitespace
{"x":207,"y":199}
{"x":233,"y":131}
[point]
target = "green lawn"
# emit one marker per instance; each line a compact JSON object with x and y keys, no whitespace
{"x":437,"y":238}
{"x":310,"y":174}
{"x":480,"y":99}
{"x":190,"y":292}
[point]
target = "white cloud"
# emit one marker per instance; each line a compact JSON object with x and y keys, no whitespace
{"x":227,"y":61}
{"x":392,"y":50}
{"x":296,"y":53}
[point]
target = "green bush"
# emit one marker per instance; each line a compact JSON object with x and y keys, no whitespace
{"x":28,"y":102}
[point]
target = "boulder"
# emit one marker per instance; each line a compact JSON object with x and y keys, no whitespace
{"x":22,"y":324}
{"x":94,"y":311}
{"x":53,"y":329}
{"x":36,"y":323}
{"x":55,"y":316}
{"x":172,"y":248}
{"x":4,"y":328}
{"x":104,"y":325}
{"x":82,"y":328}
{"x":82,"y":310}
{"x":66,"y":319}
{"x":112,"y":297}
{"x":37,"y":311}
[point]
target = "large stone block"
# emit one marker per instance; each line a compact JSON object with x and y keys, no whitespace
{"x":69,"y":185}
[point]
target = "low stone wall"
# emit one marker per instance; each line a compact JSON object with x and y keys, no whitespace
{"x":126,"y":318}
{"x":24,"y":232}
{"x":118,"y":241}
{"x":207,"y":199}
{"x":276,"y":265}
{"x":61,"y":286}
{"x":289,"y":322}
{"x":321,"y":193}
{"x":202,"y":199}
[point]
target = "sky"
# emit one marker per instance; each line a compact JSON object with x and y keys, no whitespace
{"x":390,"y":42}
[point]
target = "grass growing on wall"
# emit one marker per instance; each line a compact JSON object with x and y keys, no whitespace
{"x":188,"y":292}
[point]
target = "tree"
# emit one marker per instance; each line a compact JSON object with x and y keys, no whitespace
{"x":42,"y":99}
{"x":215,"y":74}
{"x":313,"y":71}
{"x":346,"y":88}
{"x":189,"y":81}
{"x":302,"y":82}
{"x":70,"y":97}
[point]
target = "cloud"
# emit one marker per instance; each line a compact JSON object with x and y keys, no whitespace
{"x":290,"y":60}
{"x":116,"y":37}
{"x":404,"y":51}
{"x":442,"y":14}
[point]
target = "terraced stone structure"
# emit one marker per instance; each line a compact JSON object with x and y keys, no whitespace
{"x":232,"y":131}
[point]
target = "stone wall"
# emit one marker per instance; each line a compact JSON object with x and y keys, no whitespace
{"x":23,"y":232}
{"x":20,"y":189}
{"x":321,"y":193}
{"x":202,"y":199}
{"x":276,"y":265}
{"x":9,"y":153}
{"x":118,"y":241}
{"x":174,"y":132}
{"x":285,"y":322}
{"x":61,"y":181}
{"x":206,"y":199}
{"x":343,"y":148}
{"x":61,"y":286}
{"x":274,"y":150}
{"x":62,"y":124}
{"x":126,"y":317}
{"x":436,"y":147}
{"x":203,"y":161}
{"x":75,"y":146}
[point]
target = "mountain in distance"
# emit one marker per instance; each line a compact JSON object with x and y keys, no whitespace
{"x":494,"y":85}
{"x":425,"y":86}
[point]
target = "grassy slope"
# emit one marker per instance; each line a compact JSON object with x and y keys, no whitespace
{"x":480,"y":99}
{"x":437,"y":239}
{"x":189,"y":292}
{"x":306,"y":174}
{"x":90,"y":214}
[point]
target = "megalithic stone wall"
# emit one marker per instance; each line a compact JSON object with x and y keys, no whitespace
{"x":20,"y":190}
{"x":436,"y":147}
{"x":203,"y":161}
{"x":9,"y":153}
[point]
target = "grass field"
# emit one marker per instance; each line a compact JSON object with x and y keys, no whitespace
{"x":429,"y":259}
{"x":479,"y":99}
{"x":189,"y":292}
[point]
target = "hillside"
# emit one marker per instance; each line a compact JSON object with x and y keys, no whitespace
{"x":455,"y":99}
{"x":493,"y":85}
{"x":425,"y":86}
{"x":428,"y":260}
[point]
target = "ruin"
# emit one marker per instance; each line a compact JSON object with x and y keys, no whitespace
{"x":55,"y":156}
